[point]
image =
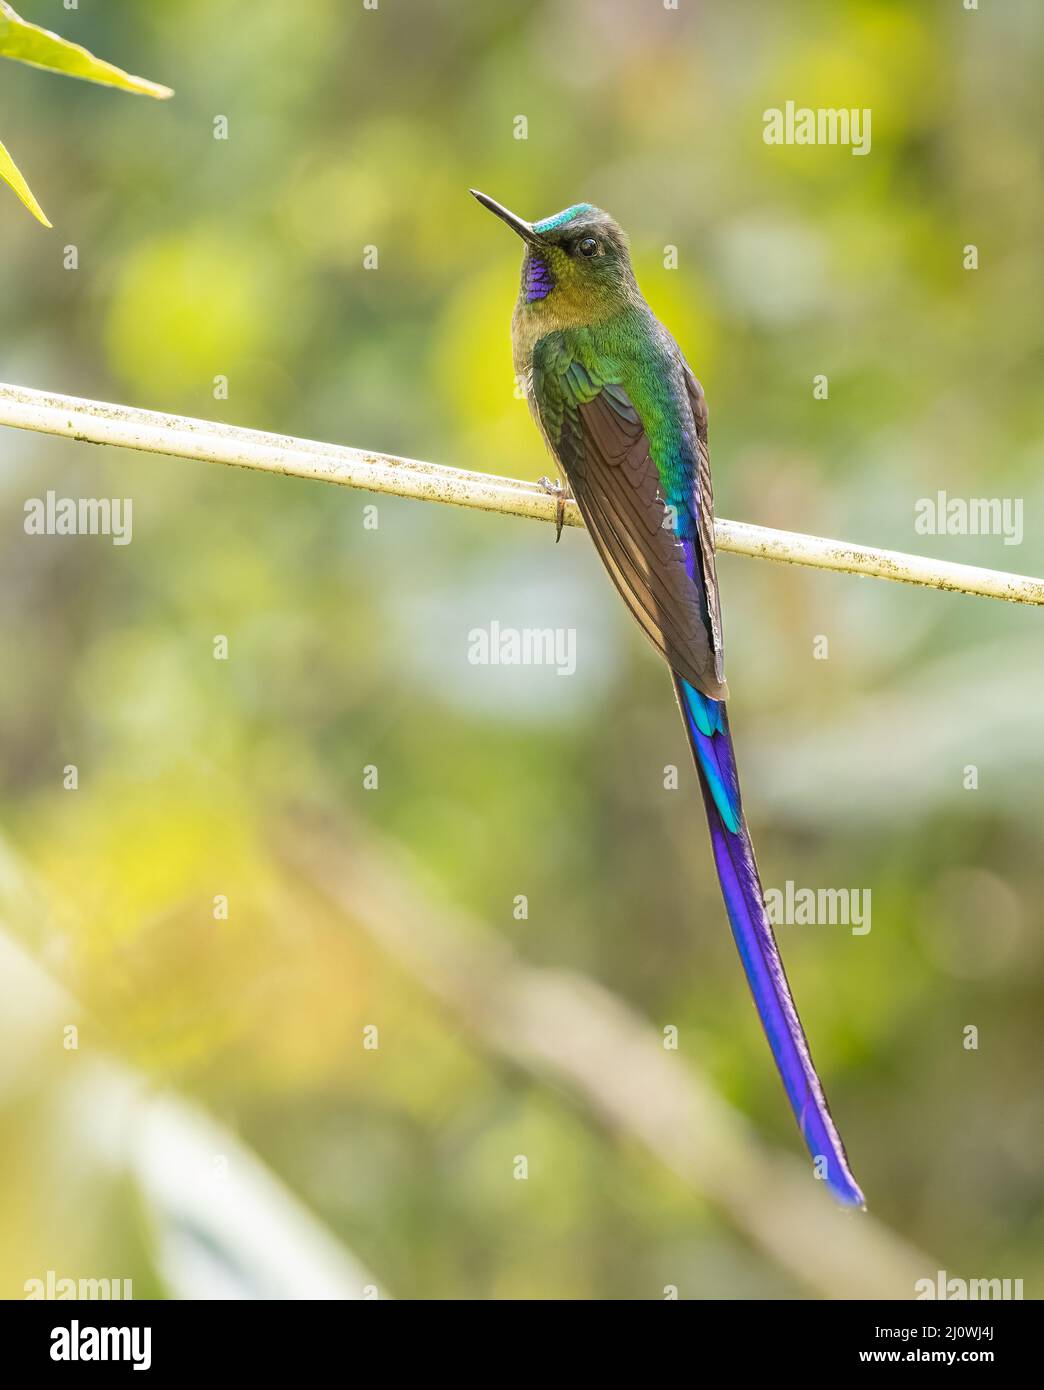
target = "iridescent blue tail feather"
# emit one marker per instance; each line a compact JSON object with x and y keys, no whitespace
{"x":707,"y":725}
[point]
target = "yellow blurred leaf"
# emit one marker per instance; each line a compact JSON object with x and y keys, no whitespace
{"x":186,"y":306}
{"x":28,"y":43}
{"x":10,"y":173}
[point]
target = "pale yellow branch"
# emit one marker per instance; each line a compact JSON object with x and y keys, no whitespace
{"x":97,"y":422}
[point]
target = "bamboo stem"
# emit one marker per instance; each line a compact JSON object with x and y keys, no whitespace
{"x":98,"y":422}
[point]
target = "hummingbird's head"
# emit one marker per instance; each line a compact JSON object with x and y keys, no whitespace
{"x":576,"y":267}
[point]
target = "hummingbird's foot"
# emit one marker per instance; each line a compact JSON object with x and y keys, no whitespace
{"x":563,"y":494}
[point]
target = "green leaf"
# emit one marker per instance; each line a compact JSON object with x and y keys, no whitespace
{"x":28,"y":43}
{"x":10,"y":172}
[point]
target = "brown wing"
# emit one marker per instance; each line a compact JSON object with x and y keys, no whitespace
{"x":704,"y":513}
{"x":666,"y":578}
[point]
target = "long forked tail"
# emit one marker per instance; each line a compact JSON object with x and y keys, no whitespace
{"x":707,"y":725}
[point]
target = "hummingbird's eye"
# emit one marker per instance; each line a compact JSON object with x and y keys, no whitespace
{"x":588,"y":246}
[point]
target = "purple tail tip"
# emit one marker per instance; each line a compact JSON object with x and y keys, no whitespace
{"x":706,"y":723}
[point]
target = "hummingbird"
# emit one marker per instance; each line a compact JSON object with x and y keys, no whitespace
{"x":625,"y":420}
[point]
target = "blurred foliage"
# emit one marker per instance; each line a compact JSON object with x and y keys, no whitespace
{"x":12,"y":175}
{"x":243,"y":258}
{"x":28,"y":43}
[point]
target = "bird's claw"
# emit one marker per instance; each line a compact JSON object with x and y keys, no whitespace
{"x":558,"y":491}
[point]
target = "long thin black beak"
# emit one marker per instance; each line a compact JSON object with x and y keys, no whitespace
{"x":517,"y":224}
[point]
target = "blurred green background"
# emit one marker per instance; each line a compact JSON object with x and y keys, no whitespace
{"x":243,"y":258}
